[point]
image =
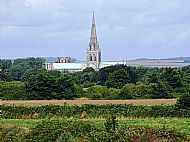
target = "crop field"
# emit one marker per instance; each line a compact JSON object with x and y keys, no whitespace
{"x":140,"y":102}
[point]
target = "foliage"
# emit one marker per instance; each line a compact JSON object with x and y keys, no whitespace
{"x":45,"y":86}
{"x":20,"y":66}
{"x":118,"y":79}
{"x":112,"y":82}
{"x":83,"y":131}
{"x":10,"y":134}
{"x":101,"y":92}
{"x":160,"y":91}
{"x":92,"y":111}
{"x":5,"y":74}
{"x":127,"y":92}
{"x":12,"y":90}
{"x":184,"y":101}
{"x":87,"y":78}
{"x":111,"y":123}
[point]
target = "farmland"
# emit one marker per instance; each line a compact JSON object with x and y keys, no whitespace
{"x":114,"y":104}
{"x":95,"y":129}
{"x":94,"y":123}
{"x":141,"y":102}
{"x":180,"y":124}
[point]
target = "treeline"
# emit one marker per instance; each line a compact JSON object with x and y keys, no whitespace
{"x":28,"y":80}
{"x":13,"y":70}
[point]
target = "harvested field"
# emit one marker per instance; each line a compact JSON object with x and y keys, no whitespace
{"x":144,"y":102}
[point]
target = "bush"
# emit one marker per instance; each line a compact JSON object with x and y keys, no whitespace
{"x":127,"y":92}
{"x":184,"y":101}
{"x":160,"y":91}
{"x":12,"y":90}
{"x":97,"y":92}
{"x":83,"y":131}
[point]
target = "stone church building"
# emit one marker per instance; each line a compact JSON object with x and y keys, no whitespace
{"x":93,"y":59}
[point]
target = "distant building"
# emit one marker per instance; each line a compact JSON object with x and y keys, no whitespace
{"x":48,"y":65}
{"x":94,"y":60}
{"x":64,"y":59}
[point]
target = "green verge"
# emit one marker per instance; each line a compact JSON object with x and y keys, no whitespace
{"x":180,"y":124}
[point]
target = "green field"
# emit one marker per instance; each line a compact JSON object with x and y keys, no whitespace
{"x":180,"y":124}
{"x":94,"y":123}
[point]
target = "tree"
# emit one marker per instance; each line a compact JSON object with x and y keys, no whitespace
{"x":97,"y":92}
{"x":118,"y":79}
{"x":151,"y":77}
{"x":12,"y":90}
{"x":186,"y":69}
{"x":87,"y":78}
{"x":40,"y":86}
{"x":172,"y":77}
{"x":44,"y":86}
{"x":65,"y":88}
{"x":5,"y":74}
{"x":104,"y":73}
{"x":160,"y":91}
{"x":20,"y":66}
{"x":184,"y":101}
{"x":127,"y":92}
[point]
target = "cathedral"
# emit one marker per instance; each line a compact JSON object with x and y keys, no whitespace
{"x":93,"y":59}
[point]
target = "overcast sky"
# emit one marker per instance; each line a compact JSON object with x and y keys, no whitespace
{"x":126,"y":28}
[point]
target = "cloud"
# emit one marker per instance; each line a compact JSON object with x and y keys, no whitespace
{"x":42,"y":3}
{"x":126,"y":28}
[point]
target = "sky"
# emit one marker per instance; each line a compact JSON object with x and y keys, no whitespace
{"x":127,"y":29}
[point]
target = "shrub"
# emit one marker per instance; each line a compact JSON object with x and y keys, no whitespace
{"x":184,"y":101}
{"x":97,"y":92}
{"x":127,"y":92}
{"x":12,"y":90}
{"x":160,"y":91}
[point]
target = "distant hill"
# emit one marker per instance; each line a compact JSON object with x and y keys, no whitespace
{"x":55,"y":59}
{"x":185,"y":59}
{"x":51,"y":59}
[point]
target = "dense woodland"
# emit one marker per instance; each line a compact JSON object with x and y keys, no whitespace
{"x":26,"y":79}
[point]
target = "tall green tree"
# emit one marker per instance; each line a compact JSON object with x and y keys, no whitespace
{"x":5,"y":66}
{"x":20,"y":66}
{"x":118,"y":79}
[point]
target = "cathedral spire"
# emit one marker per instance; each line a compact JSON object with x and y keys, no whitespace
{"x":93,"y":38}
{"x":93,"y":51}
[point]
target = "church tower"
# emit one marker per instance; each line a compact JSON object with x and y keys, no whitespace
{"x":93,"y":51}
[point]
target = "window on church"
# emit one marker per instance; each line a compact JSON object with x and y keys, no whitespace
{"x":94,"y":57}
{"x":90,"y":58}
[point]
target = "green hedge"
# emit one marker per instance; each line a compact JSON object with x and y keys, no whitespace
{"x":92,"y":111}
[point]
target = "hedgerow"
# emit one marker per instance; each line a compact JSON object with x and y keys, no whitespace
{"x":91,"y":111}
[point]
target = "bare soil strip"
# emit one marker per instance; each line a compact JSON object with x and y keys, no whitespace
{"x":142,"y":102}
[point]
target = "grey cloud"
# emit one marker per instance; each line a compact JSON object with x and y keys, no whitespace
{"x":126,"y":28}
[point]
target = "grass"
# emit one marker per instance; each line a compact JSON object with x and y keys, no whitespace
{"x":144,"y":102}
{"x":180,"y":124}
